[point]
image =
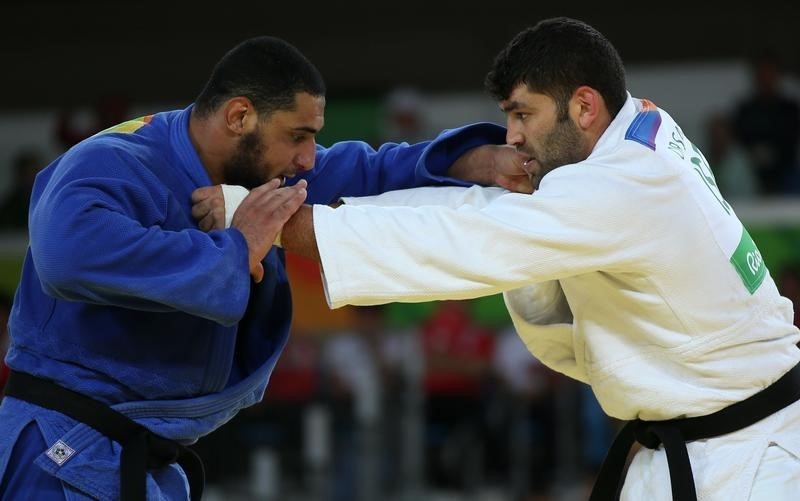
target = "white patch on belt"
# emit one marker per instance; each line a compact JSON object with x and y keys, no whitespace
{"x":60,"y":452}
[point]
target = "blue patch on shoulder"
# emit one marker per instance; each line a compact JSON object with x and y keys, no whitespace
{"x":644,"y":127}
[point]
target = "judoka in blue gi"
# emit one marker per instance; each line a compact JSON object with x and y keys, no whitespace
{"x":133,"y":332}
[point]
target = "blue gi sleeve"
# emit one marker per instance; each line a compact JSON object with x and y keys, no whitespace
{"x":354,"y":168}
{"x":98,"y":233}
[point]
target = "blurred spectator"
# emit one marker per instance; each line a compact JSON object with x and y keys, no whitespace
{"x":404,"y":116}
{"x":522,"y":424}
{"x":402,"y":422}
{"x":278,"y":422}
{"x":457,"y":357}
{"x":731,"y":164}
{"x":14,"y":207}
{"x":109,"y":110}
{"x":351,"y":376}
{"x":767,"y":124}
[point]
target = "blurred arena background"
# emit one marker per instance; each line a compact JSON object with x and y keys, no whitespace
{"x":409,"y":402}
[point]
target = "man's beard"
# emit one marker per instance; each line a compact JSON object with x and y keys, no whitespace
{"x":243,"y":167}
{"x":563,"y":145}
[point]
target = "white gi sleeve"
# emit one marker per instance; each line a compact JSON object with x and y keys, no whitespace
{"x":543,"y":321}
{"x":372,"y":254}
{"x":450,"y":196}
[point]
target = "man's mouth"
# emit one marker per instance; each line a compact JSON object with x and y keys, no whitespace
{"x":528,"y":165}
{"x":285,"y":176}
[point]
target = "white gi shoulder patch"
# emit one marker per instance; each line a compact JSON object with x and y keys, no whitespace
{"x":60,"y":452}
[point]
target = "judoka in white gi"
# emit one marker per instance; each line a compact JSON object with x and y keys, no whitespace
{"x":626,"y":269}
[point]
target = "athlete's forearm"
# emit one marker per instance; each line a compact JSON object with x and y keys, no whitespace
{"x":491,"y":164}
{"x":475,"y":166}
{"x":298,"y":234}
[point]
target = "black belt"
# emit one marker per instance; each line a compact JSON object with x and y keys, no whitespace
{"x":141,"y":448}
{"x":674,"y":434}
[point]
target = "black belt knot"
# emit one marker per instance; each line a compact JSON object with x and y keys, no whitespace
{"x":646,"y":434}
{"x":674,"y":433}
{"x":161,"y":451}
{"x":141,"y":448}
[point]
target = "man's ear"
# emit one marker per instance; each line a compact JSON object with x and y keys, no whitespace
{"x":588,"y":105}
{"x":240,"y":115}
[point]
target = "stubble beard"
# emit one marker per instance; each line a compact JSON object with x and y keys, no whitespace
{"x":563,"y":145}
{"x":243,"y":168}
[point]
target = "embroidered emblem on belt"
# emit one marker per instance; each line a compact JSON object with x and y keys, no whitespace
{"x":60,"y":452}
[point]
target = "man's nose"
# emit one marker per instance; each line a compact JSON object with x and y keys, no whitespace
{"x":305,"y":159}
{"x":514,"y":137}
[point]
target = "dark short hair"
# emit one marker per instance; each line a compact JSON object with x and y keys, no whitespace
{"x":266,"y":70}
{"x":555,"y":57}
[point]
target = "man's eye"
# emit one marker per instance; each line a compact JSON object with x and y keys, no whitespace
{"x":522,"y":116}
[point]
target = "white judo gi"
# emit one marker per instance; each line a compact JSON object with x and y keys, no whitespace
{"x":627,"y":271}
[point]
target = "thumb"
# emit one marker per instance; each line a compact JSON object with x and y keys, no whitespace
{"x":258,"y":273}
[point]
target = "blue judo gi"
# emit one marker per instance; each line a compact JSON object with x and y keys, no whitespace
{"x":122,"y":298}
